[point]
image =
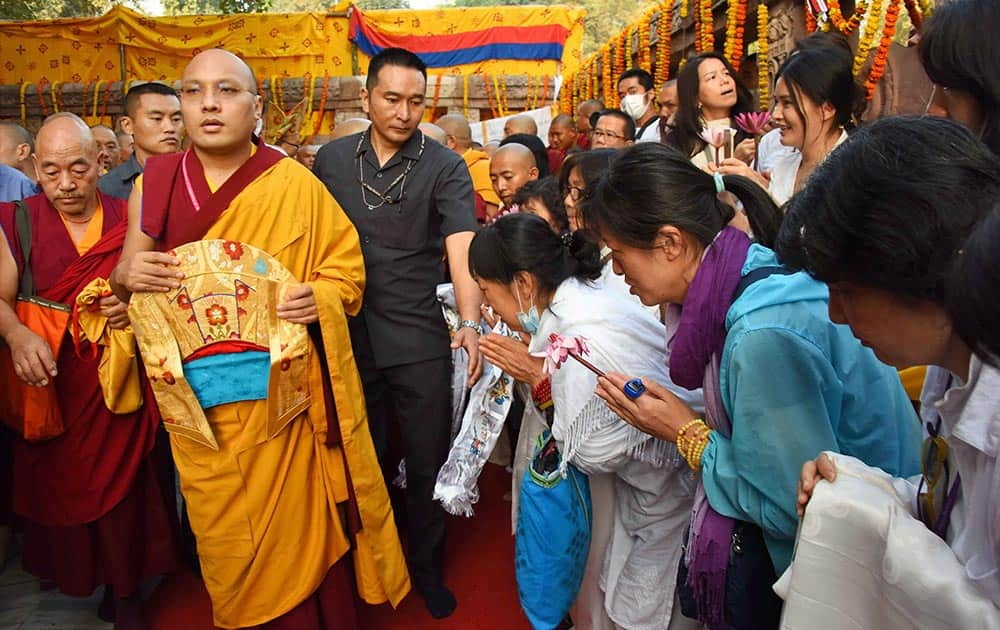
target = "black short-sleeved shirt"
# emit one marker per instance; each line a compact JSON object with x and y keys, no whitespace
{"x":403,"y":243}
{"x":118,"y":181}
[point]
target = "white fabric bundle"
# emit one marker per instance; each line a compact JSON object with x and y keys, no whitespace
{"x":863,"y":561}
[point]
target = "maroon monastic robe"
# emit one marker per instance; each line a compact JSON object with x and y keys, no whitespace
{"x":94,"y":510}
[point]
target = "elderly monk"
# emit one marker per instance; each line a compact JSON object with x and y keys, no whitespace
{"x":16,"y":148}
{"x":93,"y":510}
{"x":107,"y":141}
{"x":512,"y":166}
{"x":349,"y":127}
{"x":459,"y":140}
{"x":275,"y":515}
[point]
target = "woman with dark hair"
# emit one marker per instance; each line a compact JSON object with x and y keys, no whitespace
{"x":972,"y":303}
{"x":542,"y":284}
{"x":815,"y":96}
{"x":781,"y":380}
{"x":579,"y":174}
{"x":886,"y":224}
{"x":542,"y":197}
{"x":708,"y":96}
{"x":961,"y":54}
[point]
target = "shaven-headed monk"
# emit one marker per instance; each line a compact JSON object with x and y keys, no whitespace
{"x":274,"y":510}
{"x":522,"y":123}
{"x":460,"y":141}
{"x":349,"y":127}
{"x":93,"y":510}
{"x":511,"y":167}
{"x":562,"y":138}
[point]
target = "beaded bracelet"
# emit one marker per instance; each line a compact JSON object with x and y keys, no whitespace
{"x":682,"y":439}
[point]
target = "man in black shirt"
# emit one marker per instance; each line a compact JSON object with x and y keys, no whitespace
{"x":153,"y":118}
{"x":411,"y":201}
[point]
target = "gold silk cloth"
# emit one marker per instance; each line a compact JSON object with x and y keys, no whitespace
{"x":203,"y":344}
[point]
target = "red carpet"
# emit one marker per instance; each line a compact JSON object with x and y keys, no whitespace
{"x":480,"y":571}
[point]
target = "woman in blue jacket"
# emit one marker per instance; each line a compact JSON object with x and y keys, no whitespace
{"x":782,"y":382}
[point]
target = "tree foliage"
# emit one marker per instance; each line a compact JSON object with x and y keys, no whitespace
{"x":52,"y":9}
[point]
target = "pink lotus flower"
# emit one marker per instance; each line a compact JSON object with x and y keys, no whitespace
{"x":561,"y":348}
{"x":714,"y":136}
{"x":754,"y":123}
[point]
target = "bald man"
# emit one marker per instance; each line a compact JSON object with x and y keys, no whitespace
{"x":349,"y":127}
{"x":433,"y":132}
{"x":294,"y":484}
{"x":459,"y":140}
{"x":93,"y":510}
{"x":584,"y":111}
{"x":107,"y":142}
{"x":512,"y":166}
{"x":522,"y":123}
{"x":126,"y":146}
{"x":16,"y":147}
{"x":562,"y":138}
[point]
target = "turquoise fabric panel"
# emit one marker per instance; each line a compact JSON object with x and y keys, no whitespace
{"x":226,"y":378}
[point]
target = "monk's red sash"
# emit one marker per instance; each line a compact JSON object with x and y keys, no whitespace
{"x":174,"y":185}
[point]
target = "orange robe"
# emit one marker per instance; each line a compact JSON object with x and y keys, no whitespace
{"x":264,"y":511}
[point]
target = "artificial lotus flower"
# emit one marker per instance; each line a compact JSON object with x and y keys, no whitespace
{"x":561,"y":348}
{"x":717,"y":137}
{"x":754,"y":123}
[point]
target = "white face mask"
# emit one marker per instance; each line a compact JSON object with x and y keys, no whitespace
{"x":635,"y":105}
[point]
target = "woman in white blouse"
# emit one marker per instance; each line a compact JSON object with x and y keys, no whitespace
{"x":815,"y":96}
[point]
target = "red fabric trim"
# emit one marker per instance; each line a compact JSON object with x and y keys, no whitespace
{"x":230,"y":346}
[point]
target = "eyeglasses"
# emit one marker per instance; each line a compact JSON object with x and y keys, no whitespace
{"x":223,"y":91}
{"x":575,"y":192}
{"x":610,"y":135}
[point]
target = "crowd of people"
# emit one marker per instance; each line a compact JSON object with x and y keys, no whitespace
{"x":228,"y":342}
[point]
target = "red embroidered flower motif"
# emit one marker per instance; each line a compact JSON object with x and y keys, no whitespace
{"x":184,"y":301}
{"x":233,"y":249}
{"x":168,"y":378}
{"x":217,"y":314}
{"x":169,"y":421}
{"x":242,"y":291}
{"x":285,"y":364}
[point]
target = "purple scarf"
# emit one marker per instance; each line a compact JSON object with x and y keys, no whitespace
{"x":695,"y":351}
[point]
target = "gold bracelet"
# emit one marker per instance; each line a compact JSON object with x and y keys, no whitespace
{"x":693,"y":443}
{"x":693,"y":457}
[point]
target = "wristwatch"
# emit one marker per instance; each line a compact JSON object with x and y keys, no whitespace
{"x":468,"y":323}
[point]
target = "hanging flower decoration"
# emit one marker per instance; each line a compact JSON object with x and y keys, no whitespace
{"x":561,"y":348}
{"x":663,"y":43}
{"x":867,"y":38}
{"x":645,"y":42}
{"x":736,"y":17}
{"x":606,"y":85}
{"x":684,"y":9}
{"x":882,"y":54}
{"x":707,"y":26}
{"x":836,"y":17}
{"x":503,"y":94}
{"x":489,"y":97}
{"x":545,"y":93}
{"x":811,"y":24}
{"x":927,"y":8}
{"x":914,"y":12}
{"x":322,"y":105}
{"x":628,"y":47}
{"x":763,"y":72}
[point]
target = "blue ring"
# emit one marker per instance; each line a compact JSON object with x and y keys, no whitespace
{"x":634,"y":388}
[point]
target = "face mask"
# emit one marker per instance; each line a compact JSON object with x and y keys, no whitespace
{"x":634,"y":105}
{"x":528,"y":321}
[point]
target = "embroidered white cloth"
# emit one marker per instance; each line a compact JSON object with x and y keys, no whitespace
{"x":653,"y":487}
{"x":862,"y":561}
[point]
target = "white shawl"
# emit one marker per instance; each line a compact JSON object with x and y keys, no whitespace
{"x":654,"y":489}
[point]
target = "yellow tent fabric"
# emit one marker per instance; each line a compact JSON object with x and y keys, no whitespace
{"x":86,"y":50}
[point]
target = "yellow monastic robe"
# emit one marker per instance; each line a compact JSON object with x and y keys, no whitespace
{"x":264,"y":510}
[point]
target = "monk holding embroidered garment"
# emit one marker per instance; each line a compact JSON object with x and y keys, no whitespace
{"x":94,"y":512}
{"x":242,"y":270}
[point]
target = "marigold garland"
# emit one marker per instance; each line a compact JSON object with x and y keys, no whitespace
{"x":489,"y":97}
{"x":763,"y":72}
{"x":836,"y":17}
{"x":527,"y":94}
{"x":308,"y":91}
{"x":663,"y":43}
{"x":322,"y":106}
{"x":104,"y":101}
{"x":645,"y":60}
{"x":926,"y":8}
{"x":41,"y":99}
{"x":545,"y":94}
{"x":707,"y":26}
{"x":503,"y":94}
{"x":628,"y":47}
{"x":811,"y":24}
{"x":736,"y":17}
{"x":697,"y":28}
{"x":23,"y":94}
{"x":882,"y":54}
{"x":865,"y":41}
{"x":684,"y":9}
{"x":606,"y":85}
{"x":55,"y":96}
{"x":97,"y":98}
{"x":465,"y":96}
{"x":914,"y":12}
